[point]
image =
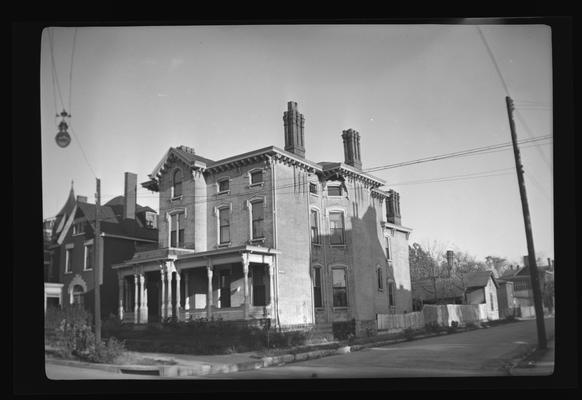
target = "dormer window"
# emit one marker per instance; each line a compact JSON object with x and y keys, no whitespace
{"x":177,"y":183}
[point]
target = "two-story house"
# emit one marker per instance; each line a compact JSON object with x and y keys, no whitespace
{"x":270,"y":234}
{"x":124,"y":226}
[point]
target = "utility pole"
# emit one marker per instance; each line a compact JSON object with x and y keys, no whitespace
{"x":537,"y":295}
{"x":96,"y":264}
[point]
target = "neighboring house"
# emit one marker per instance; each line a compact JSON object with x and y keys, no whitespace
{"x":124,"y":226}
{"x":523,"y":293}
{"x":506,"y":301}
{"x":481,"y":288}
{"x":447,"y":292}
{"x":270,"y":234}
{"x":476,"y":287}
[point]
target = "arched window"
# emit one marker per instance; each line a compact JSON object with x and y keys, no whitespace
{"x":78,"y":295}
{"x":177,"y":183}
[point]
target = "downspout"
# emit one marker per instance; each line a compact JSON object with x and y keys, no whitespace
{"x":276,"y":260}
{"x":306,"y":193}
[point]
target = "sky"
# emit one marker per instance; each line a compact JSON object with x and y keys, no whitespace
{"x":411,"y":91}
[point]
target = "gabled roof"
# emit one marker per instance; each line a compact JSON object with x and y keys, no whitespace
{"x":117,"y":202}
{"x":89,"y":211}
{"x":424,"y":289}
{"x":478,"y":279}
{"x":184,"y":153}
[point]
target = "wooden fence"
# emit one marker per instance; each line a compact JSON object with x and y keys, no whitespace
{"x":398,"y":322}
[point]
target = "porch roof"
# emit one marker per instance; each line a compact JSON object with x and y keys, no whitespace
{"x":176,"y":254}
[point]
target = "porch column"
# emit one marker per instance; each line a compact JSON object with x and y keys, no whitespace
{"x":143,"y":317}
{"x":271,"y":286}
{"x":209,"y":294}
{"x":187,"y":299}
{"x":170,"y":309}
{"x":245,"y":264}
{"x":163,"y":300}
{"x":178,"y":297}
{"x":121,"y":296}
{"x":136,"y":299}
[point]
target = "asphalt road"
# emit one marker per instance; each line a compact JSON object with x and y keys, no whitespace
{"x":482,"y":352}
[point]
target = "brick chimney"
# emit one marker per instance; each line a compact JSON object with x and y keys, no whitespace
{"x":130,"y":195}
{"x":81,"y":199}
{"x":294,"y":122}
{"x":352,"y":148}
{"x":393,"y":207}
{"x":450,"y":258}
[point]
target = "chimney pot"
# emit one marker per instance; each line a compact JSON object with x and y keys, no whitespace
{"x":352,"y":155}
{"x":294,"y":123}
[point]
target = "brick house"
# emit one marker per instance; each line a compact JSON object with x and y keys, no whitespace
{"x":269,"y":234}
{"x":125,"y":225}
{"x":522,"y":288}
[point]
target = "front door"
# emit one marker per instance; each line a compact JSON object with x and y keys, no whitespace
{"x":224,"y":289}
{"x":259,"y":291}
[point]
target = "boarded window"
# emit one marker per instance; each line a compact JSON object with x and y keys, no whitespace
{"x":334,"y":190}
{"x":258,"y":218}
{"x":336,"y":227}
{"x":256,"y":177}
{"x":317,"y":295}
{"x":340,"y":298}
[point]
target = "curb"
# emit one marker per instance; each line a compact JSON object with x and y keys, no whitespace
{"x":211,"y":369}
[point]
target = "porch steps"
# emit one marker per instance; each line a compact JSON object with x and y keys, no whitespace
{"x":323,"y":331}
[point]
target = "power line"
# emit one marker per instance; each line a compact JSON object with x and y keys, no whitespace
{"x":493,"y":59}
{"x":477,"y":150}
{"x":71,"y":70}
{"x":482,"y":174}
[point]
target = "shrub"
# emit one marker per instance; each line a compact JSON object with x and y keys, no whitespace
{"x":408,"y":333}
{"x":453,"y":327}
{"x":106,"y":352}
{"x":432,"y":327}
{"x":342,"y":329}
{"x":74,"y":333}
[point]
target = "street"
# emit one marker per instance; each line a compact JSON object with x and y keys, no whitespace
{"x":481,"y":352}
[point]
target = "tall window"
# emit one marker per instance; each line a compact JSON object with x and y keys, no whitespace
{"x":177,"y":230}
{"x":314,"y":226}
{"x":336,"y":227}
{"x":388,"y":249}
{"x":69,"y":260}
{"x":224,"y":225}
{"x":88,"y":256}
{"x":317,"y":295}
{"x":177,"y":183}
{"x":380,"y":279}
{"x":391,"y":294}
{"x":256,"y":177}
{"x":258,"y":215}
{"x":340,"y":298}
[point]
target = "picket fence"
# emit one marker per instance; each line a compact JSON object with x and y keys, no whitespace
{"x":442,"y":314}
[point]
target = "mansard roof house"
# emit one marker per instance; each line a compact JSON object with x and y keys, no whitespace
{"x":125,"y":225}
{"x":269,"y":234}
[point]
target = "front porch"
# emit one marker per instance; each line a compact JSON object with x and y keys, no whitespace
{"x":227,"y":284}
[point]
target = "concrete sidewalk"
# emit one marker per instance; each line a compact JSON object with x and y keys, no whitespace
{"x":539,"y":363}
{"x":182,"y":365}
